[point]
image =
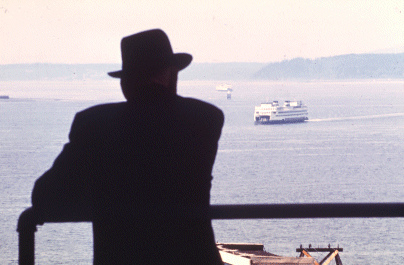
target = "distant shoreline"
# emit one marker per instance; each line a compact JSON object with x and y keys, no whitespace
{"x":343,"y":67}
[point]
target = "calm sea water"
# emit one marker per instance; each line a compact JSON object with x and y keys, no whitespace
{"x":351,"y":150}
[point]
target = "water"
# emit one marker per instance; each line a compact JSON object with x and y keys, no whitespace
{"x":351,"y":150}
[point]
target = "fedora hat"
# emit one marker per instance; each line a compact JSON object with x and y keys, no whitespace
{"x":148,"y":52}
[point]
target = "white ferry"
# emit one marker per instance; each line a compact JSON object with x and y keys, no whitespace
{"x":224,"y":87}
{"x":272,"y":112}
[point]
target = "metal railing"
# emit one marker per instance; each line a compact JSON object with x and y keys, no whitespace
{"x":29,"y":220}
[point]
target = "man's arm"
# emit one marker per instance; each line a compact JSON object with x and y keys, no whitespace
{"x":64,"y":190}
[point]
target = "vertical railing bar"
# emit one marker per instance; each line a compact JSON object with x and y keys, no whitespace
{"x":26,"y":229}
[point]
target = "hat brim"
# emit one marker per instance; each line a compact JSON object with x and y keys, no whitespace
{"x":180,"y":60}
{"x":116,"y":74}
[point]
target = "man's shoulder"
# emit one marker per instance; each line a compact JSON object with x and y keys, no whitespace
{"x":102,"y":109}
{"x":99,"y":115}
{"x":199,"y":105}
{"x":200,"y":112}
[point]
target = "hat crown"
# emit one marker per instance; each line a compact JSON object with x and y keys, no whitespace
{"x":148,"y":52}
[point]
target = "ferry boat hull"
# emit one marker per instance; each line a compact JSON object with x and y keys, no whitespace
{"x":273,"y":113}
{"x":287,"y":120}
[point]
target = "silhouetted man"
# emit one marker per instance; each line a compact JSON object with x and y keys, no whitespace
{"x":141,"y":169}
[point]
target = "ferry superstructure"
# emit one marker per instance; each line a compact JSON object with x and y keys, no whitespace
{"x":272,"y":112}
{"x":224,"y":87}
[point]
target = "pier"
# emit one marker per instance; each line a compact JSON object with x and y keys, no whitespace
{"x":254,"y":254}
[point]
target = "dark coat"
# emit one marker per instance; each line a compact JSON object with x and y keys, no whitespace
{"x":142,"y":173}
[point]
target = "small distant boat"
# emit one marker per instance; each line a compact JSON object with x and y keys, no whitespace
{"x":272,"y":112}
{"x":224,"y":87}
{"x":4,"y":97}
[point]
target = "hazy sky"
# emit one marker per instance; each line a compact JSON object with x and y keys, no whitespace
{"x":89,"y":31}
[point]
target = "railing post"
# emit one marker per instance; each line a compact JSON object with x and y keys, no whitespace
{"x":26,"y":229}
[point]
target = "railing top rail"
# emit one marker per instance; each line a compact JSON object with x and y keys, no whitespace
{"x":307,"y":210}
{"x":29,"y":219}
{"x":260,"y":211}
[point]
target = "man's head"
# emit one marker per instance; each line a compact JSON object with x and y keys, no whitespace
{"x":147,"y":57}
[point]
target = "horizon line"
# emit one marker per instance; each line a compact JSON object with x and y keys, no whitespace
{"x":227,"y":62}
